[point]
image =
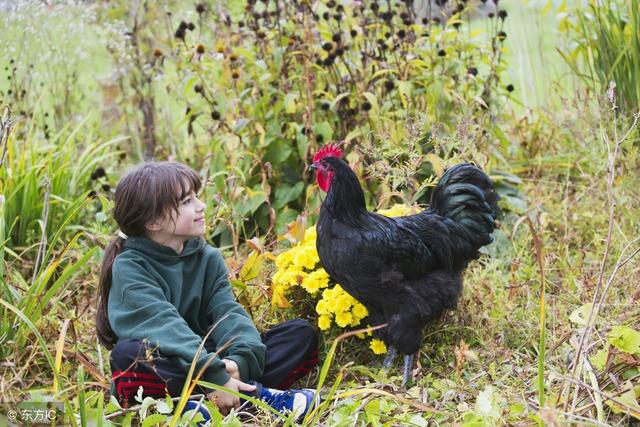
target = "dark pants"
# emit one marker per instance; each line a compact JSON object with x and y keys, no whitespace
{"x":292,"y":351}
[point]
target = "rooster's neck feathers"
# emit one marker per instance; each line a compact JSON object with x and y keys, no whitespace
{"x":345,"y":199}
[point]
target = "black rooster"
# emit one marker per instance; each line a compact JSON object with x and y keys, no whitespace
{"x":405,"y":270}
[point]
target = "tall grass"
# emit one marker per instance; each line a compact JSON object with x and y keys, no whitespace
{"x":607,"y":39}
{"x":66,"y":163}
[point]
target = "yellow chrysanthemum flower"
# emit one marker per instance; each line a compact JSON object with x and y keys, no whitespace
{"x":284,"y":259}
{"x":324,"y":322}
{"x":292,"y":277}
{"x":343,"y":303}
{"x":359,"y":311}
{"x":315,"y":281}
{"x":343,"y":318}
{"x":306,"y":257}
{"x":322,"y":307}
{"x":378,"y":347}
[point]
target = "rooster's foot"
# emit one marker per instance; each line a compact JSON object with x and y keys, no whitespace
{"x":406,"y":371}
{"x":388,"y":360}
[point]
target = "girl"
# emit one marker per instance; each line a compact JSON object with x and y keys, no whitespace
{"x":163,"y":288}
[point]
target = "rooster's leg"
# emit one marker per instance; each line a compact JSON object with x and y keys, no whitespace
{"x":388,"y":359}
{"x":406,"y":372}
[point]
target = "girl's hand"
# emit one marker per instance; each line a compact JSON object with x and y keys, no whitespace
{"x":232,"y":368}
{"x":225,"y":401}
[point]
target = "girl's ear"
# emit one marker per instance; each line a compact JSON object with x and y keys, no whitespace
{"x":153,"y":226}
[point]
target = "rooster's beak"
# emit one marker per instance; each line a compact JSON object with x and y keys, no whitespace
{"x":313,"y":166}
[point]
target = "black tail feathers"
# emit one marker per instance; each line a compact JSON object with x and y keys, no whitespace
{"x":466,"y":196}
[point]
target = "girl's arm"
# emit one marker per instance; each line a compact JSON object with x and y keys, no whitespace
{"x":233,"y":330}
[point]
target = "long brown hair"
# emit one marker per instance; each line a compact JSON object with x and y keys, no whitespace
{"x":146,"y":193}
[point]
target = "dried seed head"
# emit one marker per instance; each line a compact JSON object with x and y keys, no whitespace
{"x":510,"y":88}
{"x":157,"y":52}
{"x":200,"y":49}
{"x":215,"y":115}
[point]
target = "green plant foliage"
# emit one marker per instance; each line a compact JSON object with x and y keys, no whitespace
{"x":258,"y":91}
{"x":606,"y":38}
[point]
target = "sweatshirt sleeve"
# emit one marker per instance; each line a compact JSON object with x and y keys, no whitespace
{"x":233,"y":330}
{"x":138,"y":309}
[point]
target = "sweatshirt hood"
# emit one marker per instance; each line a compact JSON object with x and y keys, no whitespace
{"x":161,"y":252}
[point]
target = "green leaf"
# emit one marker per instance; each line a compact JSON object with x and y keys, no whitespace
{"x":238,"y":284}
{"x":163,"y":408}
{"x":404,"y":90}
{"x":628,"y":398}
{"x":324,"y":129}
{"x":581,"y":314}
{"x":488,"y":403}
{"x":290,"y":102}
{"x":624,"y":338}
{"x":599,"y":360}
{"x":252,"y":203}
{"x":286,"y":193}
{"x":252,"y":267}
{"x":277,"y":152}
{"x":154,"y":419}
{"x":187,"y":85}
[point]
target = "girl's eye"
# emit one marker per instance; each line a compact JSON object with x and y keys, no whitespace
{"x":187,"y":200}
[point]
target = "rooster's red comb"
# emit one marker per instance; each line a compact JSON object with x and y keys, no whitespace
{"x":329,"y":150}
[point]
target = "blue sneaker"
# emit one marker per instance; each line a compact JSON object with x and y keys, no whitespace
{"x":200,"y":406}
{"x":293,"y":401}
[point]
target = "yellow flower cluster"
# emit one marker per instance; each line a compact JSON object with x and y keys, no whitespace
{"x":342,"y":307}
{"x":299,"y":266}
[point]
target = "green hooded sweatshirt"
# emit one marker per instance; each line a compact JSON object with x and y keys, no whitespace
{"x":172,"y":300}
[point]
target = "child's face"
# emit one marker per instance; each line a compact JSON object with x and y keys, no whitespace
{"x":189,"y":222}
